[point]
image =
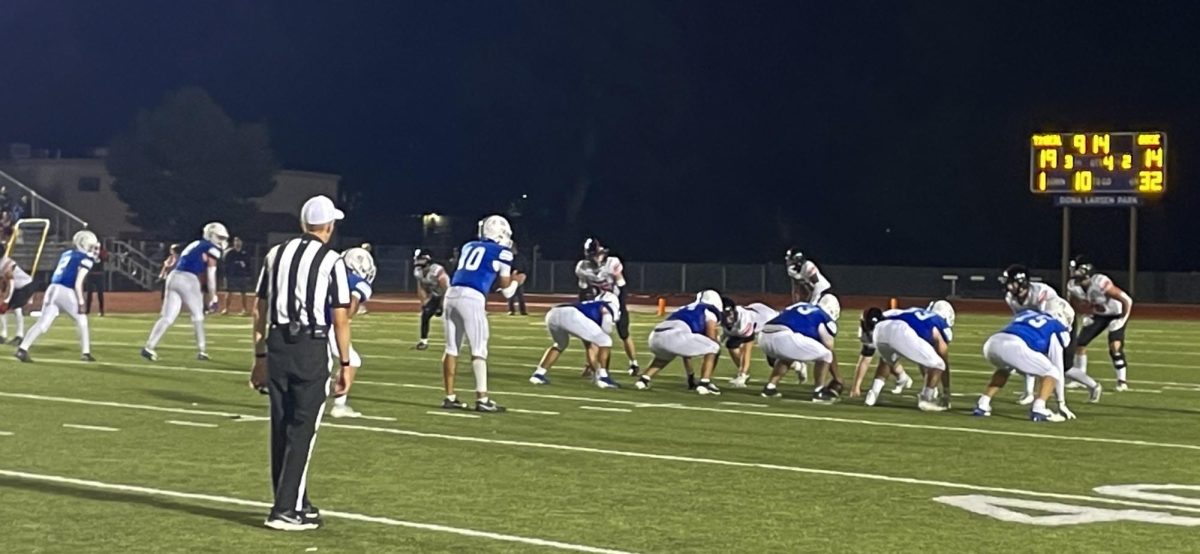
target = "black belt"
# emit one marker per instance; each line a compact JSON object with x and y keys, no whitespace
{"x":292,"y":331}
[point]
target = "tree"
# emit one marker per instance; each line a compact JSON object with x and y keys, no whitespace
{"x":186,"y":163}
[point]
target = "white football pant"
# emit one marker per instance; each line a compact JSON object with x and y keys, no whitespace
{"x":182,"y":289}
{"x":894,"y":339}
{"x":789,"y":346}
{"x":563,"y":322}
{"x":1006,"y":351}
{"x":674,"y":338}
{"x":464,"y":316}
{"x":58,"y":299}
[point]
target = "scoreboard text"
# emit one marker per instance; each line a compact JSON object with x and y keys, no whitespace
{"x":1099,"y":163}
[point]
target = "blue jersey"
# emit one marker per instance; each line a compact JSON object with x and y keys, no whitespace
{"x":1038,"y":330}
{"x":479,"y":262}
{"x":922,"y":321}
{"x":594,"y":310}
{"x":359,"y":288}
{"x":694,"y":316}
{"x":67,"y":270}
{"x":805,"y":319}
{"x":192,"y":259}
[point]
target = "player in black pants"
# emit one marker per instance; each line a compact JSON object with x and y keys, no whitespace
{"x":432,"y":282}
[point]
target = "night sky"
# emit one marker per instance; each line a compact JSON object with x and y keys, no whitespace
{"x":704,"y":131}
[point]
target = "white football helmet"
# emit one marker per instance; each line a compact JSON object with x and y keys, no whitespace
{"x":215,"y":233}
{"x":360,"y":261}
{"x":85,"y":241}
{"x":830,"y":305}
{"x":495,"y":228}
{"x":1062,"y":311}
{"x":613,"y":303}
{"x":712,"y":298}
{"x":944,"y":309}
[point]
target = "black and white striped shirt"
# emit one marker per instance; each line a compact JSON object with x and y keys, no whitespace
{"x":300,"y":280}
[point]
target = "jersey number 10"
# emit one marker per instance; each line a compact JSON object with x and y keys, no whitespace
{"x":471,"y":258}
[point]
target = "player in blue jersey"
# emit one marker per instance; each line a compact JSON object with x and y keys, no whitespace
{"x":689,"y":332}
{"x":591,"y":321}
{"x":803,"y":333}
{"x":198,"y":258}
{"x":65,"y":294}
{"x":922,"y":336}
{"x":361,"y":274}
{"x":483,"y":266}
{"x":1033,"y":344}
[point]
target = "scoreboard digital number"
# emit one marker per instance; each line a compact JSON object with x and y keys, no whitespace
{"x":1131,"y":164}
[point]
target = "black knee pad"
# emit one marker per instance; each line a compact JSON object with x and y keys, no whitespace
{"x":1117,"y":355}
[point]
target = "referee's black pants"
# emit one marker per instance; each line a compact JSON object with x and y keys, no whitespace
{"x":298,"y":381}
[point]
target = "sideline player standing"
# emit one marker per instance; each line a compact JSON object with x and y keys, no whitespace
{"x":432,"y":282}
{"x":923,"y":336}
{"x":65,"y":294}
{"x":20,"y":289}
{"x":183,"y":288}
{"x":1108,"y":308}
{"x":603,"y":272}
{"x":808,"y":284}
{"x":1032,"y":344}
{"x":360,"y":274}
{"x":482,"y":265}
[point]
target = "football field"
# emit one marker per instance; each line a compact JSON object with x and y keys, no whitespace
{"x":126,"y":455}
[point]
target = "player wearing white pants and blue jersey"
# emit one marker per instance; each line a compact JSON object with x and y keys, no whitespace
{"x":482,"y":265}
{"x":689,"y":332}
{"x":591,"y":321}
{"x":183,"y":288}
{"x":1032,"y":344}
{"x":922,"y":336}
{"x":803,"y":333}
{"x":65,"y":295}
{"x":360,"y":275}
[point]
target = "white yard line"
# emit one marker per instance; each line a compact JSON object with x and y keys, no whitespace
{"x":90,"y":427}
{"x":745,"y":404}
{"x":86,"y":402}
{"x":449,"y":414}
{"x":604,"y":409}
{"x":5,"y":434}
{"x":244,"y":418}
{"x":752,"y":465}
{"x":191,"y":423}
{"x":535,"y":412}
{"x":148,"y":491}
{"x":376,"y":418}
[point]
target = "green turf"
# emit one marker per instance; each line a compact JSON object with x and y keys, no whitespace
{"x":674,"y":472}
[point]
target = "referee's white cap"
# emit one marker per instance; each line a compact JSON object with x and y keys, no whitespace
{"x":320,"y":210}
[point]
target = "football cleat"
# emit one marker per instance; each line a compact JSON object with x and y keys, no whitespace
{"x":871,"y":398}
{"x":490,"y":407}
{"x":771,"y":392}
{"x":691,"y":382}
{"x":739,"y":382}
{"x":706,"y":388}
{"x":149,"y":355}
{"x":824,"y":396}
{"x":1039,"y":417}
{"x":202,"y":356}
{"x":539,"y":379}
{"x":801,"y":370}
{"x":456,"y":404}
{"x":1026,"y":399}
{"x":343,"y":411}
{"x":1075,"y":385}
{"x":87,"y":358}
{"x":642,"y":383}
{"x":607,"y":383}
{"x":930,"y":406}
{"x":903,"y":383}
{"x":1122,"y":386}
{"x":1094,"y":394}
{"x":23,"y":355}
{"x":290,"y":521}
{"x":422,"y":345}
{"x":16,"y":340}
{"x":981,"y":412}
{"x":634,"y":369}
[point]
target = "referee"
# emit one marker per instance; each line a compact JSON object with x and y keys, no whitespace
{"x":301,"y":280}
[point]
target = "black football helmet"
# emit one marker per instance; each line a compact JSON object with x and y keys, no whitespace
{"x":794,"y":257}
{"x":422,"y":257}
{"x":1081,"y":267}
{"x":593,"y":250}
{"x":1016,"y":281}
{"x":870,"y":317}
{"x":729,"y":313}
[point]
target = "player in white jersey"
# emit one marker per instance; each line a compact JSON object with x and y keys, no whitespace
{"x":17,"y":289}
{"x":432,"y":283}
{"x":866,"y":335}
{"x":808,"y":284}
{"x":600,"y":272}
{"x":1106,"y":308}
{"x":740,"y":332}
{"x":1021,"y":293}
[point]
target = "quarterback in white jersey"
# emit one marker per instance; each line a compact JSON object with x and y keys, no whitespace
{"x":740,"y":331}
{"x":808,"y":284}
{"x":17,"y":289}
{"x":599,"y":272}
{"x":432,"y":284}
{"x":1107,"y":308}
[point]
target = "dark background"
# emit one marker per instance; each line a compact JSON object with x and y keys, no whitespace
{"x":883,"y":133}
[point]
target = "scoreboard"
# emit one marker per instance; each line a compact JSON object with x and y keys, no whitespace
{"x":1131,"y":164}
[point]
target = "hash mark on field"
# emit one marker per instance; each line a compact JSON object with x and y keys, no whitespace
{"x":89,"y":427}
{"x":535,"y":412}
{"x":605,"y":409}
{"x":452,"y":414}
{"x":377,"y":418}
{"x":749,"y":404}
{"x":250,"y":418}
{"x":191,"y":423}
{"x":5,"y":434}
